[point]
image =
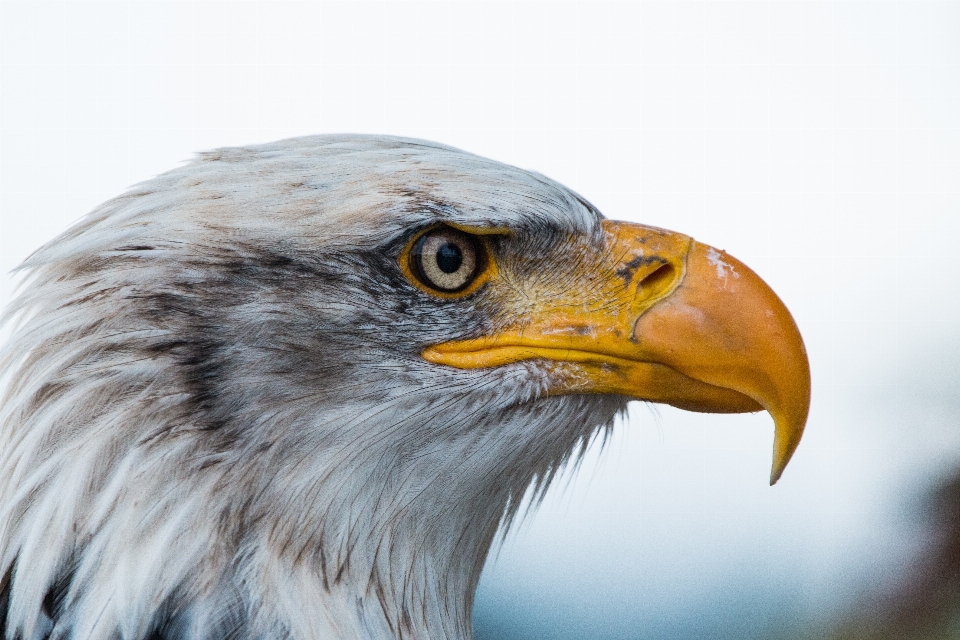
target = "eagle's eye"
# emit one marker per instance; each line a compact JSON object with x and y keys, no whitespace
{"x":445,"y":260}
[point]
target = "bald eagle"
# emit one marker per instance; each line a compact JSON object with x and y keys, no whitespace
{"x":294,"y":390}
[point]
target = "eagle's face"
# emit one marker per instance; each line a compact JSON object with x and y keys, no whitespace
{"x":293,"y":390}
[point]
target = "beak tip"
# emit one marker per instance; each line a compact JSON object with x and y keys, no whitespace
{"x":775,"y":474}
{"x":786,"y":438}
{"x":779,"y":464}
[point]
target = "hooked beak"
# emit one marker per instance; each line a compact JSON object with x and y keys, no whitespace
{"x":678,"y":322}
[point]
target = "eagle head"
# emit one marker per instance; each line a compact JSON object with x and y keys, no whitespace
{"x":293,"y":390}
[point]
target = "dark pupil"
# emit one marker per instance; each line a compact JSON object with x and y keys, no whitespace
{"x":449,"y":258}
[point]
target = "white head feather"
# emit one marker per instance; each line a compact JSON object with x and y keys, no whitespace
{"x":216,"y":423}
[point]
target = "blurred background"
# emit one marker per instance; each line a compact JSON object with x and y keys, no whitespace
{"x":819,"y":142}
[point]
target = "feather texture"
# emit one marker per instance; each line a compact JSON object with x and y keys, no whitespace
{"x":215,"y":421}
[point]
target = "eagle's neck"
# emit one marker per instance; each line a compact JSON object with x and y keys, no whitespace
{"x":358,"y":541}
{"x":389,"y":541}
{"x":412,"y":576}
{"x":365,"y":522}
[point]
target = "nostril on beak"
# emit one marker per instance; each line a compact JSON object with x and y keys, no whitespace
{"x":657,"y":281}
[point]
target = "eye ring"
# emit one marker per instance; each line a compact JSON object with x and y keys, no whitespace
{"x":447,"y":262}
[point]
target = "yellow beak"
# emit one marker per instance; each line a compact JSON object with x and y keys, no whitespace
{"x":670,"y":320}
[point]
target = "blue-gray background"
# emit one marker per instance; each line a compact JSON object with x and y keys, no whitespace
{"x":818,"y":142}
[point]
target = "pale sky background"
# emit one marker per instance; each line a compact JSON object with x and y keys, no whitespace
{"x":819,"y":142}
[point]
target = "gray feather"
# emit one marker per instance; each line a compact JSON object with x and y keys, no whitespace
{"x":215,"y":421}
